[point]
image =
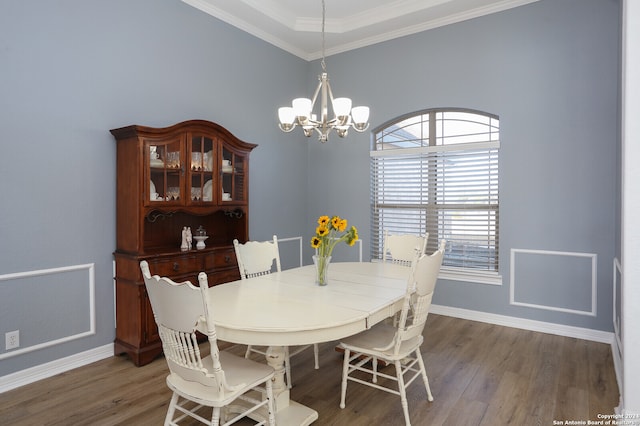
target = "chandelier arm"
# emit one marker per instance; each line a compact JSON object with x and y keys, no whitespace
{"x":315,"y":94}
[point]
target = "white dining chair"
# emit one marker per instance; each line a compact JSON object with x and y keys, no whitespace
{"x":398,"y":345}
{"x":231,"y":386}
{"x":256,"y":258}
{"x":402,"y":248}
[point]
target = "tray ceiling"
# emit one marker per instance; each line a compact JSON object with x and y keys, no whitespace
{"x":295,"y":25}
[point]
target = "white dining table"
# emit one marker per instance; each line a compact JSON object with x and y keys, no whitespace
{"x":288,"y":308}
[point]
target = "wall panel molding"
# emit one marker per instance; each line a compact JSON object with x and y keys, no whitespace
{"x":617,"y":326}
{"x":591,"y":311}
{"x":91,"y":303}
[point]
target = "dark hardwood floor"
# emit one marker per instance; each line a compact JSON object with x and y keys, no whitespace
{"x":480,"y":374}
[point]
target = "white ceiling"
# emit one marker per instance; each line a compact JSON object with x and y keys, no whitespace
{"x":295,"y":25}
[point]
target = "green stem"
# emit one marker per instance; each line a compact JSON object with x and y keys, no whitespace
{"x":331,"y":243}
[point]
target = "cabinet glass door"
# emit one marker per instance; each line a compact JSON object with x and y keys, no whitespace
{"x":232,"y":172}
{"x":163,"y":160}
{"x":201,"y":171}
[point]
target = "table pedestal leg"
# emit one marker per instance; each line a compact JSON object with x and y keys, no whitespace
{"x":287,"y":412}
{"x":275,"y":358}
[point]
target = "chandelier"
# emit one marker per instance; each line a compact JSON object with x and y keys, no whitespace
{"x":300,"y":113}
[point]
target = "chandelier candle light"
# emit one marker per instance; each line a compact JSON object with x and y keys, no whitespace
{"x":329,"y":233}
{"x":301,"y":110}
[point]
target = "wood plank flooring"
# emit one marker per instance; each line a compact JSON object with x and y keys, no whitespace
{"x":480,"y":374}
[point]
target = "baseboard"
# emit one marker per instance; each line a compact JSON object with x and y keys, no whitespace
{"x":525,"y":324}
{"x":39,"y":372}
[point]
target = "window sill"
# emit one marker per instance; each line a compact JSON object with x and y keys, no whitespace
{"x":473,"y":277}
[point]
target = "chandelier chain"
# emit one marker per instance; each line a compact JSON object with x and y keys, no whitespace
{"x":324,"y":65}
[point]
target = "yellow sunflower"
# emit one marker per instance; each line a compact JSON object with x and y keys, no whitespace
{"x":335,"y":222}
{"x":323,"y":220}
{"x":321,"y":231}
{"x":315,"y":242}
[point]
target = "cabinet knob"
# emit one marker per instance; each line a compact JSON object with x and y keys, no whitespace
{"x":175,"y":266}
{"x":227,"y":259}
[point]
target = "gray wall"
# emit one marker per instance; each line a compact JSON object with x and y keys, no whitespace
{"x":72,"y":70}
{"x":550,"y":71}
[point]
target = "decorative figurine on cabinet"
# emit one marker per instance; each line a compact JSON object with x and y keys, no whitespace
{"x":185,"y":244}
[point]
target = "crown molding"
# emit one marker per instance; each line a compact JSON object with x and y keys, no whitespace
{"x":269,"y":21}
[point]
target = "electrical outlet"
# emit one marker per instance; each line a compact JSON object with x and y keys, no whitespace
{"x":12,"y":339}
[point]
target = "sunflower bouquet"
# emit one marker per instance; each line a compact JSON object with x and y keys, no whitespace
{"x":329,"y":233}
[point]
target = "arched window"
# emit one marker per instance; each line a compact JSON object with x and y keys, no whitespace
{"x":436,"y":171}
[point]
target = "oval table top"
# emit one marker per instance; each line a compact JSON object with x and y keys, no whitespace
{"x":288,"y":308}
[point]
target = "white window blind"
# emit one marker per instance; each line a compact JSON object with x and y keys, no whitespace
{"x":436,"y":171}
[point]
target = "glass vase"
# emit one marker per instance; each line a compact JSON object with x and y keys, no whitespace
{"x":322,"y":268}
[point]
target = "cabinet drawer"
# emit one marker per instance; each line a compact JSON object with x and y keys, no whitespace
{"x":174,"y":266}
{"x":220,"y":259}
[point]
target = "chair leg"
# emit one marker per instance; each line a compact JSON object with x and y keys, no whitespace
{"x":248,"y":352}
{"x":215,"y":416}
{"x":171,"y":410}
{"x":345,"y":372}
{"x":403,"y":393}
{"x":287,"y":366}
{"x":425,"y":379}
{"x":315,"y":355}
{"x":271,"y":404}
{"x":374,"y":363}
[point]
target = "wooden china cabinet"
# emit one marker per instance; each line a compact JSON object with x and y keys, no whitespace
{"x":193,"y":174}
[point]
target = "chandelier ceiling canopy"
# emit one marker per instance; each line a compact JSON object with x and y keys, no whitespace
{"x":300,"y":113}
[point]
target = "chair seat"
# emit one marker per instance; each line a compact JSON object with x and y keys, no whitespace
{"x":380,"y":336}
{"x":238,"y":370}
